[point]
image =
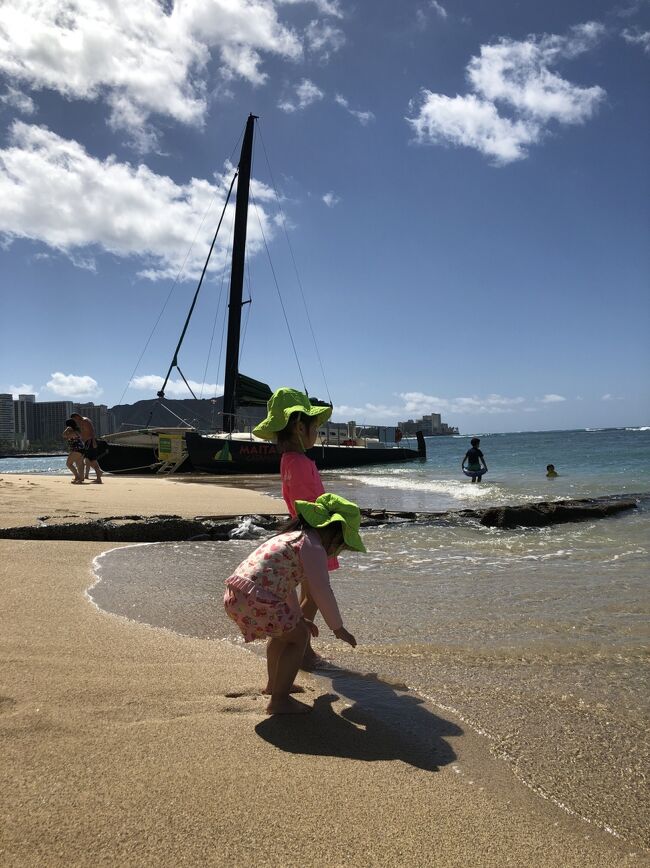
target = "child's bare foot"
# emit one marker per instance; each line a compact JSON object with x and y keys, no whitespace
{"x":287,"y":705}
{"x":98,"y":482}
{"x":296,"y":688}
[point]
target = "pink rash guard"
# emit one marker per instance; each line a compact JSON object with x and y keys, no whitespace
{"x":301,"y":481}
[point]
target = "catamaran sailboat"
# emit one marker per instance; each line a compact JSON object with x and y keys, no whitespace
{"x":232,"y":451}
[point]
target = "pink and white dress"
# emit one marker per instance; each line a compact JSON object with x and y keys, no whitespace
{"x":261,"y":594}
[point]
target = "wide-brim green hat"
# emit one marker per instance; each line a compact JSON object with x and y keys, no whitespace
{"x":332,"y":507}
{"x":280,"y":407}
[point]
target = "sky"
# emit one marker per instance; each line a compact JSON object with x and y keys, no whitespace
{"x":449,"y":206}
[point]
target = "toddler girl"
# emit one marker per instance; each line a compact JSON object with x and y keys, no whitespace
{"x":293,"y":423}
{"x":261,"y":595}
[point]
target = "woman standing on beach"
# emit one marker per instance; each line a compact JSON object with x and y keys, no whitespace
{"x":75,"y":462}
{"x":261,"y":595}
{"x":293,"y":423}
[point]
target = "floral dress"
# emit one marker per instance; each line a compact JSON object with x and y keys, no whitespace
{"x":261,"y":594}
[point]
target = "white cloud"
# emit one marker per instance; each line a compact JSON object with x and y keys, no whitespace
{"x":442,"y":12}
{"x":515,"y":77}
{"x":418,"y":402}
{"x":73,"y":386}
{"x":18,"y":100}
{"x":325,"y":7}
{"x":53,"y":191}
{"x":306,"y":94}
{"x":331,"y":199}
{"x":637,"y":37}
{"x":415,"y":404}
{"x":364,"y":118}
{"x":551,"y":399}
{"x":323,"y":38}
{"x":152,"y":383}
{"x":473,"y":123}
{"x":610,"y":397}
{"x":138,"y":57}
{"x":23,"y":389}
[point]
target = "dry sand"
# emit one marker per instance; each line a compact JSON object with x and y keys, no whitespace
{"x":125,"y":745}
{"x":25,"y":498}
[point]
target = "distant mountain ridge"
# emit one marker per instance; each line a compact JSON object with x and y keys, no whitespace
{"x":197,"y":413}
{"x":204,"y":414}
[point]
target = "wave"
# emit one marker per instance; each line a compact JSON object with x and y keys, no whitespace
{"x":642,"y":428}
{"x":458,"y":490}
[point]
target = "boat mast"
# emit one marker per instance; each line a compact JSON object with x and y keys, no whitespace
{"x":237,"y":277}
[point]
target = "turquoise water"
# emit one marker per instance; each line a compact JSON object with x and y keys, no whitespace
{"x":536,"y":638}
{"x":589,"y":463}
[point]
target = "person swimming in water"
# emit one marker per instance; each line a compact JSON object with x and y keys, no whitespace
{"x":476,"y":465}
{"x":551,"y":472}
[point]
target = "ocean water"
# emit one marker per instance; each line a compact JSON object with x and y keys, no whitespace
{"x":53,"y":465}
{"x":535,"y":638}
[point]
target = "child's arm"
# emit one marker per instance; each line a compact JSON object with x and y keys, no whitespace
{"x":314,"y":561}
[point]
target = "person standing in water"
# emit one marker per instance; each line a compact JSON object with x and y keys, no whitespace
{"x":551,"y":472}
{"x":475,"y":461}
{"x":261,"y":598}
{"x":292,"y":422}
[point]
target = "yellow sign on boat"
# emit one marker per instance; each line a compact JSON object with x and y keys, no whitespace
{"x":170,"y":447}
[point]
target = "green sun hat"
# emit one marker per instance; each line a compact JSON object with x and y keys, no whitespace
{"x":332,"y":507}
{"x":282,"y":403}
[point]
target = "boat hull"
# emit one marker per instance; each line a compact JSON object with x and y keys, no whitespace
{"x":223,"y":456}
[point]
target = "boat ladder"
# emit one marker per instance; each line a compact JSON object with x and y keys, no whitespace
{"x":170,"y":466}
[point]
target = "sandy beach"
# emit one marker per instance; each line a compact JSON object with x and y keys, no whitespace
{"x":129,"y":745}
{"x":24,"y":499}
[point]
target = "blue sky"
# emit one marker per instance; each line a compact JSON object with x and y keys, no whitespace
{"x":464,"y":189}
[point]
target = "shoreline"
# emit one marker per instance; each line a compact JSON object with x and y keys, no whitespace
{"x":121,"y":740}
{"x":131,"y":744}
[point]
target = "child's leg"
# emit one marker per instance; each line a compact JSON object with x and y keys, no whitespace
{"x":273,"y":649}
{"x":309,"y":610}
{"x":284,"y":655}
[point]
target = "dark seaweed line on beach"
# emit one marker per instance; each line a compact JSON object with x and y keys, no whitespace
{"x":174,"y":528}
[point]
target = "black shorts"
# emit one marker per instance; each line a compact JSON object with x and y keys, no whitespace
{"x":91,"y":452}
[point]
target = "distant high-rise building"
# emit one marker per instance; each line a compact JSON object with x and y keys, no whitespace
{"x":430,"y":425}
{"x":7,"y":423}
{"x":24,"y":417}
{"x":49,"y":420}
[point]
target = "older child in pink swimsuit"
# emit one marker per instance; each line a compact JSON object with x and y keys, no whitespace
{"x":261,"y":594}
{"x":293,"y":423}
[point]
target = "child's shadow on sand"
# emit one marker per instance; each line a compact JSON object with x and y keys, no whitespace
{"x":383,"y":724}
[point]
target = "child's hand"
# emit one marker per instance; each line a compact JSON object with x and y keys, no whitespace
{"x":343,"y":634}
{"x":313,"y":629}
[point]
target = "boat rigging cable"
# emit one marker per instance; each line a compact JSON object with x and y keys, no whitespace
{"x":174,"y":285}
{"x":277,"y":287}
{"x":293,"y":260}
{"x":216,"y":317}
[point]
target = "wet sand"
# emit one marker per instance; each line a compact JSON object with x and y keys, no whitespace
{"x":129,"y":745}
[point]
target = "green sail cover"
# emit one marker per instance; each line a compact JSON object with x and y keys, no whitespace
{"x":250,"y":392}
